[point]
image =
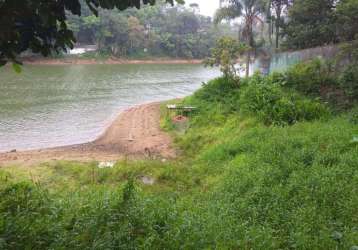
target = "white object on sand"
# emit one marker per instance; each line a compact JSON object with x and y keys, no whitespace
{"x":104,"y":164}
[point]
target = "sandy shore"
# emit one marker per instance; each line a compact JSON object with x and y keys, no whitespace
{"x":110,"y":61}
{"x":135,"y":133}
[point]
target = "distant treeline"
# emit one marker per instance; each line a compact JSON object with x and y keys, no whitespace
{"x":160,"y":30}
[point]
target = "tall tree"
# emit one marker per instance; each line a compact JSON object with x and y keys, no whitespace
{"x":347,"y":15}
{"x":276,"y":9}
{"x":40,"y":25}
{"x":311,"y":23}
{"x":250,"y":11}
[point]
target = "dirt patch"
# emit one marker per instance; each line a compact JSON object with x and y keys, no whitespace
{"x":179,"y":119}
{"x":135,"y":133}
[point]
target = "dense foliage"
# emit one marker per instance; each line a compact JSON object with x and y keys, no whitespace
{"x":311,"y":24}
{"x":319,"y":79}
{"x":241,"y":183}
{"x":154,"y":31}
{"x":314,"y":23}
{"x":40,"y":25}
{"x":44,"y":27}
{"x":267,"y":100}
{"x":225,"y":55}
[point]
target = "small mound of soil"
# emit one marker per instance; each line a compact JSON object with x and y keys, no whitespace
{"x":179,"y":119}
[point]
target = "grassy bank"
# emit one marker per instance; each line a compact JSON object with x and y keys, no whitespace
{"x":263,"y":165}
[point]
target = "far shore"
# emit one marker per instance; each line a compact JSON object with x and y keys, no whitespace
{"x":109,"y":61}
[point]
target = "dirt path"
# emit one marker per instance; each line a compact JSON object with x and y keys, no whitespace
{"x":135,"y":134}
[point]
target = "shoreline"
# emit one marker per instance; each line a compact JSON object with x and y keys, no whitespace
{"x":109,"y":61}
{"x":134,"y":133}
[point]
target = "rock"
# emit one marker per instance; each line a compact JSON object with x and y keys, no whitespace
{"x":13,"y":151}
{"x":147,"y":180}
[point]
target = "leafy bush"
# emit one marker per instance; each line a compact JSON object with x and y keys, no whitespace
{"x":25,"y":218}
{"x":275,"y":106}
{"x":221,"y":90}
{"x":309,"y":77}
{"x":216,"y":90}
{"x":353,"y":116}
{"x":226,"y":54}
{"x":349,"y":82}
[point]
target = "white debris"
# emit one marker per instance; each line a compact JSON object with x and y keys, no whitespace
{"x":147,"y":180}
{"x":104,"y":164}
{"x":171,"y":106}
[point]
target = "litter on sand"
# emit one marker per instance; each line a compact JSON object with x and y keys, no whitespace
{"x":106,"y":164}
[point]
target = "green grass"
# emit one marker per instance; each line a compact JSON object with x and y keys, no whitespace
{"x":237,"y":184}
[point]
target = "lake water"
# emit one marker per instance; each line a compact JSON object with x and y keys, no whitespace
{"x":48,"y":106}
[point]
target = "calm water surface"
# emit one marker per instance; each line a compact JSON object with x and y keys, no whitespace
{"x":47,"y":106}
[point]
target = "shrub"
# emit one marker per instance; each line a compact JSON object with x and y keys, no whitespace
{"x":309,"y":77}
{"x":25,"y":217}
{"x":353,"y":116}
{"x":349,"y":82}
{"x":216,"y":90}
{"x":223,"y":91}
{"x":274,"y":106}
{"x":226,"y":54}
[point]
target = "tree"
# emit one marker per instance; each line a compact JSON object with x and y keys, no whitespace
{"x":277,"y":7}
{"x":112,"y":33}
{"x":40,"y":25}
{"x":347,"y":15}
{"x":311,"y":23}
{"x":226,"y":55}
{"x":135,"y":33}
{"x":250,"y":11}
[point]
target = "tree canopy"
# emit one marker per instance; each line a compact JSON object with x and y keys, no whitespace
{"x":152,"y":31}
{"x":250,"y":11}
{"x":314,"y":23}
{"x":226,"y":55}
{"x":40,"y":25}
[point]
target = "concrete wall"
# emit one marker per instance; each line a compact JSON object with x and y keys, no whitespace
{"x":281,"y":61}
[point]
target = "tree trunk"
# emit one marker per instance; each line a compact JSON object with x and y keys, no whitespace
{"x":251,"y":43}
{"x":277,"y":34}
{"x":248,"y":64}
{"x":270,"y":31}
{"x":278,"y":24}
